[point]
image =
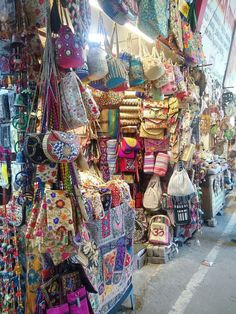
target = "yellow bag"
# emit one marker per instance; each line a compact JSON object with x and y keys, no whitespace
{"x":155,"y":124}
{"x":152,"y":133}
{"x":127,"y":122}
{"x":129,"y":115}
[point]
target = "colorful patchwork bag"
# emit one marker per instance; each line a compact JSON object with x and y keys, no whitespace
{"x":90,"y":104}
{"x":153,"y":18}
{"x":73,"y":108}
{"x":69,"y":54}
{"x":151,"y":133}
{"x":61,"y":147}
{"x":159,"y":231}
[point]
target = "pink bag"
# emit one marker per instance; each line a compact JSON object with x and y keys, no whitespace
{"x":60,"y":309}
{"x":68,"y":53}
{"x":161,"y":164}
{"x":149,"y":161}
{"x":171,"y":87}
{"x":78,"y":302}
{"x":156,"y":145}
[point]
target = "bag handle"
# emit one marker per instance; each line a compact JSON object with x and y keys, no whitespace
{"x":161,"y":216}
{"x":114,"y":37}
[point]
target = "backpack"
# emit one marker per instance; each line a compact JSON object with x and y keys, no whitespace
{"x":159,"y":230}
{"x":153,"y":193}
{"x":180,"y":183}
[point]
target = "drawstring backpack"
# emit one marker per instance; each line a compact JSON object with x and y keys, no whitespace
{"x":153,"y":193}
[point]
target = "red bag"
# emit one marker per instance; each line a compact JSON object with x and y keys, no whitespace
{"x":139,"y":200}
{"x":68,"y":53}
{"x":127,"y":165}
{"x":153,"y":146}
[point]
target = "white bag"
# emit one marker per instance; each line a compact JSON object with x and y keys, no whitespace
{"x":180,"y":183}
{"x":153,"y":193}
{"x":97,"y":63}
{"x":152,"y":65}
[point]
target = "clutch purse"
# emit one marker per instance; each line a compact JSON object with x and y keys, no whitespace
{"x":152,"y":133}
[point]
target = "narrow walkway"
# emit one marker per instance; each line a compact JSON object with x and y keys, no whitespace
{"x":184,"y":286}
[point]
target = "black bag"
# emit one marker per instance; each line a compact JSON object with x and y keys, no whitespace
{"x":33,"y":149}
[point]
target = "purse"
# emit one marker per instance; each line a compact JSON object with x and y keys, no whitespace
{"x":161,"y":164}
{"x":69,"y":54}
{"x":153,"y":193}
{"x":153,"y":134}
{"x":61,"y":147}
{"x":90,"y":104}
{"x":73,"y":107}
{"x":59,"y":309}
{"x":156,"y":104}
{"x":117,"y":73}
{"x":46,"y":173}
{"x":155,"y":124}
{"x":149,"y":162}
{"x":152,"y":65}
{"x":129,"y":144}
{"x":156,"y":145}
{"x":96,"y":58}
{"x":78,"y":302}
{"x":33,"y":148}
{"x":136,"y":73}
{"x":155,"y":113}
{"x":109,"y":99}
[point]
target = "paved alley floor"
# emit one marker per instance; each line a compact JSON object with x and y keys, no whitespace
{"x":184,"y":286}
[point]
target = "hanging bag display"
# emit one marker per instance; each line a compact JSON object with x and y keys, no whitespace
{"x":117,"y":73}
{"x":159,"y":230}
{"x":153,"y":193}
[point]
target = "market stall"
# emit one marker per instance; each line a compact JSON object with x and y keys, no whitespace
{"x":113,"y":146}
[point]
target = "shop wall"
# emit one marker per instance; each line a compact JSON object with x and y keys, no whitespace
{"x":217,"y":30}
